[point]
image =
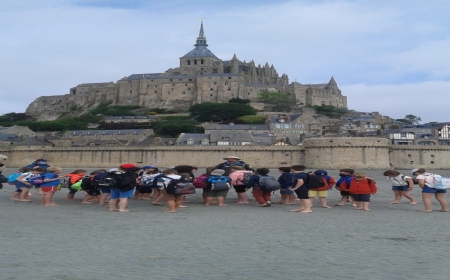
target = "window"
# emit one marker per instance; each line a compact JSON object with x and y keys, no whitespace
{"x":190,"y":141}
{"x":205,"y":142}
{"x":189,"y":62}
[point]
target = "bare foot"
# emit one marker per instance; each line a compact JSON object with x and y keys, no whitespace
{"x":220,"y":205}
{"x":443,"y":210}
{"x":413,"y":202}
{"x":339,"y":205}
{"x":325,"y":206}
{"x":124,"y":210}
{"x":366,"y":209}
{"x":14,"y":198}
{"x":296,"y":210}
{"x":169,"y":211}
{"x":356,"y":208}
{"x":86,"y":202}
{"x":25,"y":200}
{"x":183,"y":206}
{"x":241,"y":202}
{"x":280,"y":202}
{"x":394,"y":202}
{"x":51,"y":204}
{"x":424,"y":211}
{"x":290,"y":203}
{"x":305,"y":212}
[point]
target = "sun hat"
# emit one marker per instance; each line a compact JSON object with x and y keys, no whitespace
{"x":218,"y":172}
{"x":128,"y":166}
{"x":231,"y":157}
{"x":414,"y":170}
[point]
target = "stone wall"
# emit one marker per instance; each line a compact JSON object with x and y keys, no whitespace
{"x":326,"y":153}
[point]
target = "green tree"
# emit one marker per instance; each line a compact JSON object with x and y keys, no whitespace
{"x":209,"y":111}
{"x":329,"y":111}
{"x":253,"y":119}
{"x":107,"y":110}
{"x":277,"y":100}
{"x":412,"y":119}
{"x":173,"y":126}
{"x":239,"y":101}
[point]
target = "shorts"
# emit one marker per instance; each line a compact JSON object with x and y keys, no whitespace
{"x":345,"y":193}
{"x":20,"y":185}
{"x":286,"y":191}
{"x":49,"y":189}
{"x":93,"y":192}
{"x":314,"y":193}
{"x":115,"y":194}
{"x":427,"y":189}
{"x":302,"y":192}
{"x":361,"y":197}
{"x":212,"y":193}
{"x":240,"y":188}
{"x":105,"y":189}
{"x":400,"y":188}
{"x":72,"y":191}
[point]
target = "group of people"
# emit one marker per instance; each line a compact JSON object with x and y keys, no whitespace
{"x":115,"y":186}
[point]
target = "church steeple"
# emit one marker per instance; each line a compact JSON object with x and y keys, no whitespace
{"x":201,"y":40}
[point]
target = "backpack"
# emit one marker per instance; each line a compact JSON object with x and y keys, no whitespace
{"x":108,"y":180}
{"x":246,"y":178}
{"x":314,"y":182}
{"x":12,"y":178}
{"x":148,"y":180}
{"x":86,"y":184}
{"x":219,"y":183}
{"x":199,"y":182}
{"x":76,"y":186}
{"x":36,"y":180}
{"x":126,"y":181}
{"x":65,"y":182}
{"x":403,"y":183}
{"x":268,"y":183}
{"x":440,"y":183}
{"x":180,"y":186}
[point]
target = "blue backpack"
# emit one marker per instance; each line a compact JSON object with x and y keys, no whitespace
{"x":12,"y":178}
{"x":36,"y":180}
{"x":218,"y":183}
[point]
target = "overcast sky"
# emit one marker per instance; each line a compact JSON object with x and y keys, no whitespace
{"x":386,"y":56}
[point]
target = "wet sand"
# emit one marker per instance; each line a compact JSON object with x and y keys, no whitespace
{"x":79,"y":241}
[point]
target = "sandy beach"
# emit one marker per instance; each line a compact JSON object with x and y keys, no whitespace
{"x":78,"y":241}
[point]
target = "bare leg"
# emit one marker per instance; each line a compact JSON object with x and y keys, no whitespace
{"x":48,"y":199}
{"x":220,"y":200}
{"x":86,"y":199}
{"x":172,"y":206}
{"x":70,"y":197}
{"x":178,"y":201}
{"x":323,"y":202}
{"x":112,"y":204}
{"x":208,"y":200}
{"x":291,"y":199}
{"x":397,"y":197}
{"x":302,"y":207}
{"x":342,"y":201}
{"x":102,"y":199}
{"x":307,"y":203}
{"x":440,"y":197}
{"x":411,"y":199}
{"x":24,"y":195}
{"x":123,"y":204}
{"x":366,"y":206}
{"x":282,"y":199}
{"x":426,"y":198}
{"x":358,"y":205}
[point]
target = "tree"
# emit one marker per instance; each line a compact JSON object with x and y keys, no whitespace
{"x":209,"y":111}
{"x":412,"y":119}
{"x":173,"y":126}
{"x":239,"y":101}
{"x":329,"y":111}
{"x":279,"y":101}
{"x":252,"y":119}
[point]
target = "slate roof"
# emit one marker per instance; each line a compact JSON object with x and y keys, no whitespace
{"x":212,"y":126}
{"x":105,"y":132}
{"x":9,"y":137}
{"x":197,"y":137}
{"x":265,"y":139}
{"x":238,"y":136}
{"x":198,"y":52}
{"x":32,"y":141}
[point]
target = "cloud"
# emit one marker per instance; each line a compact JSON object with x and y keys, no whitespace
{"x":54,"y":45}
{"x":425,"y":100}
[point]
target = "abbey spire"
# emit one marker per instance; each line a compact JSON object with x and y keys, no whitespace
{"x":201,"y":39}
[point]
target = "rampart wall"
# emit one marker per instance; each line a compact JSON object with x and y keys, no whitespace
{"x":327,"y":153}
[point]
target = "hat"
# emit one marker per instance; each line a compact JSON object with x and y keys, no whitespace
{"x":414,"y":170}
{"x":217,"y":172}
{"x":149,"y":167}
{"x":128,"y":166}
{"x":320,"y":173}
{"x":231,"y":157}
{"x":113,"y":170}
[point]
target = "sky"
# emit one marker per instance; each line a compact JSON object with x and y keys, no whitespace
{"x":387,"y":56}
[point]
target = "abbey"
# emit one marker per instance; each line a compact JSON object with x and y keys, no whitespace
{"x":200,"y":77}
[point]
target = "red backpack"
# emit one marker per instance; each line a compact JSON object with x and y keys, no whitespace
{"x":198,"y":182}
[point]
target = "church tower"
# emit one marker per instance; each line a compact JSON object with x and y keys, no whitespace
{"x":201,"y":58}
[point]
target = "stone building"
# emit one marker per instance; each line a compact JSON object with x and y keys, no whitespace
{"x":200,"y":77}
